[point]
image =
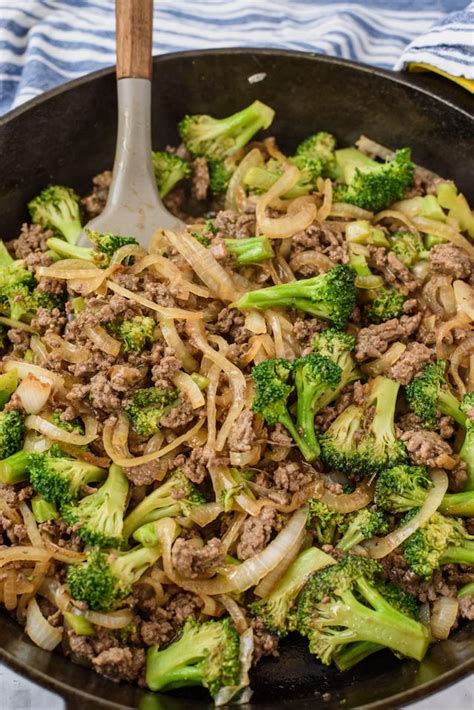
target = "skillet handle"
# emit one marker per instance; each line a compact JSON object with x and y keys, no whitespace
{"x":134,"y":26}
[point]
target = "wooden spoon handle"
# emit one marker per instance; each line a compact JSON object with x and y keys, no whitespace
{"x":134,"y":22}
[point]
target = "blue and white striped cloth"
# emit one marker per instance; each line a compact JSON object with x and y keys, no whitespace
{"x":46,"y":42}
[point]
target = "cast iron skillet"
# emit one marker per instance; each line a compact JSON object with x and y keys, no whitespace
{"x":68,"y":135}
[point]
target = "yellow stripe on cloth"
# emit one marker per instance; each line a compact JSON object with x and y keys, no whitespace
{"x":461,"y":80}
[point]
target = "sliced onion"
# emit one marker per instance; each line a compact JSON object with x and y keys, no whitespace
{"x":110,"y":620}
{"x":250,"y":572}
{"x":163,"y":312}
{"x":101,"y":339}
{"x":255,"y":322}
{"x":34,"y":421}
{"x":167,"y":269}
{"x":325,"y":209}
{"x":70,"y":269}
{"x":369,"y":282}
{"x":381,"y":364}
{"x":235,"y":195}
{"x":227,"y":694}
{"x":186,"y":385}
{"x":234,"y":374}
{"x":461,"y":321}
{"x":300,"y":214}
{"x":33,"y":393}
{"x":344,"y":209}
{"x":348,"y":502}
{"x":65,"y":350}
{"x":173,"y":340}
{"x":233,"y":531}
{"x":464,"y":295}
{"x":381,"y":547}
{"x":126,"y":252}
{"x":321,"y":262}
{"x":464,"y":350}
{"x":246,"y":458}
{"x":206,"y":513}
{"x":235,"y":611}
{"x":56,"y":593}
{"x":130,"y":462}
{"x":10,"y":590}
{"x":217,"y":279}
{"x":24,"y":554}
{"x":272,"y":318}
{"x":443,"y":616}
{"x":27,"y":368}
{"x":31,"y":525}
{"x":17,"y":324}
{"x":40,"y":630}
{"x":445,"y":231}
{"x":39,"y":349}
{"x":265,"y":586}
{"x":399,"y":217}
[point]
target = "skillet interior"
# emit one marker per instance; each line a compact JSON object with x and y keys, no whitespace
{"x":68,"y":136}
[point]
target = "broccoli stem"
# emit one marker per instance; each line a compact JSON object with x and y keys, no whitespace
{"x":70,"y":251}
{"x":8,"y":384}
{"x":449,"y":405}
{"x":458,"y":504}
{"x":79,"y":624}
{"x":14,"y":469}
{"x":458,"y":554}
{"x":250,"y":251}
{"x":43,"y":510}
{"x":467,"y":455}
{"x":309,"y":451}
{"x":305,"y":422}
{"x":466,"y":591}
{"x":354,"y":653}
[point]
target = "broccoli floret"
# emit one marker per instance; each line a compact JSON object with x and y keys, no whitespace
{"x":325,"y":523}
{"x":220,"y":173}
{"x":315,"y":375}
{"x":8,"y":384}
{"x":363,"y":525}
{"x":320,"y":146}
{"x":467,"y":449}
{"x":362,"y":438}
{"x":457,"y":205}
{"x":251,"y":250}
{"x":104,"y":579}
{"x":59,"y":479}
{"x":261,"y":179}
{"x":206,"y":654}
{"x":169,"y":169}
{"x":57,"y":208}
{"x":16,"y":287}
{"x":98,"y":518}
{"x":12,"y":431}
{"x":275,"y":609}
{"x":337,"y":345}
{"x":136,"y":333}
{"x":440,"y":541}
{"x":14,"y":468}
{"x":407,"y":247}
{"x":273,"y":387}
{"x":146,"y":407}
{"x":387,"y":303}
{"x":341,"y":605}
{"x":369,"y":184}
{"x":428,"y":393}
{"x":354,"y":653}
{"x":105,"y":245}
{"x":402,"y":488}
{"x":218,"y":138}
{"x":330,"y":296}
{"x":176,"y":496}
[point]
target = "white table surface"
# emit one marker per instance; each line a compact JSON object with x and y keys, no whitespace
{"x":16,"y":693}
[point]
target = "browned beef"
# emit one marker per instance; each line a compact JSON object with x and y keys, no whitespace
{"x":426,"y":448}
{"x":144,"y":474}
{"x":242,"y":434}
{"x":95,"y":202}
{"x":450,"y":260}
{"x":393,"y":270}
{"x":374,"y":340}
{"x":122,"y":663}
{"x":192,"y":559}
{"x":264,"y":643}
{"x":409,"y":364}
{"x":179,"y":416}
{"x":256,"y":533}
{"x":200,"y":178}
{"x":195,"y":466}
{"x":32,"y":238}
{"x":230,"y":224}
{"x":124,"y":378}
{"x":49,"y":321}
{"x":321,"y":238}
{"x":291,"y":476}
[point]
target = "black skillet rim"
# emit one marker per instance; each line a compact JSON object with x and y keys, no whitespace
{"x":453,"y":97}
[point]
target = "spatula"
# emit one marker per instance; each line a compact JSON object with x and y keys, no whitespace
{"x":134,"y":207}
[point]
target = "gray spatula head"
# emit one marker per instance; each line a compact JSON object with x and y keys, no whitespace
{"x":134,"y":207}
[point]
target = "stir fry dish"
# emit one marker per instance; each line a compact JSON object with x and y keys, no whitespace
{"x":262,"y":426}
